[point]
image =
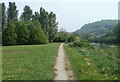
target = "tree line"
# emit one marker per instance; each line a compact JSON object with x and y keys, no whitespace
{"x":30,"y":28}
{"x":104,"y":31}
{"x":38,"y":28}
{"x":111,"y":37}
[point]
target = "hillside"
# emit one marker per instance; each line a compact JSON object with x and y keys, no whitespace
{"x":97,"y":28}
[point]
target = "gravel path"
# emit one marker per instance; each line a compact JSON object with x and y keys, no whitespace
{"x":60,"y":65}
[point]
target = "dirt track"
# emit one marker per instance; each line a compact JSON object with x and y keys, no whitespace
{"x":60,"y":65}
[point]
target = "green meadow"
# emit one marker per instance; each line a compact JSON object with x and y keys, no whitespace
{"x":31,"y":39}
{"x":29,"y":62}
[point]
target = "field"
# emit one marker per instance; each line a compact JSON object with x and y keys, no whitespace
{"x":29,"y":62}
{"x":93,"y":64}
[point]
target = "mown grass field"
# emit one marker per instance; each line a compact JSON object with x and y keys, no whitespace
{"x":93,"y":64}
{"x":29,"y":62}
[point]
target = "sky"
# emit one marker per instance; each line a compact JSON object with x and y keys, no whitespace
{"x":73,"y":14}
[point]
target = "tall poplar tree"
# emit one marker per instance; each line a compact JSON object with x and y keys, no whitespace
{"x":3,"y":15}
{"x":36,"y":16}
{"x":44,"y":20}
{"x":12,"y":12}
{"x":53,"y":28}
{"x":48,"y":23}
{"x":27,"y":14}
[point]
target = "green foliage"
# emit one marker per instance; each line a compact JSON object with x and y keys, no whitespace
{"x":26,"y":32}
{"x":82,"y":43}
{"x":48,"y":23}
{"x":27,"y":14}
{"x":62,"y":36}
{"x":12,"y":13}
{"x":44,"y":20}
{"x":107,"y":39}
{"x":41,"y":37}
{"x":36,"y":16}
{"x":97,"y":28}
{"x":52,"y":26}
{"x":22,"y":33}
{"x":37,"y":36}
{"x":1,"y":21}
{"x":3,"y":15}
{"x":9,"y":35}
{"x":93,"y":31}
{"x":31,"y":29}
{"x":99,"y":32}
{"x":116,"y":32}
{"x":110,"y":38}
{"x":71,"y":38}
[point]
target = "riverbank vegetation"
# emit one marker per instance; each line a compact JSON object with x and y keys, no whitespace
{"x":93,"y":63}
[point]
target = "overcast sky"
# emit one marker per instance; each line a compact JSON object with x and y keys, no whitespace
{"x":73,"y":14}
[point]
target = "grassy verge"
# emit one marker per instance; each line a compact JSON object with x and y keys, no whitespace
{"x":29,"y":62}
{"x":93,"y":64}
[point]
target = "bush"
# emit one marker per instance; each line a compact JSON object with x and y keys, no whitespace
{"x":61,"y":37}
{"x":72,"y":38}
{"x":65,"y":37}
{"x":82,"y":43}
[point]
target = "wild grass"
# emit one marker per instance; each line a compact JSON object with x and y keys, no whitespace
{"x":29,"y":62}
{"x":93,"y":64}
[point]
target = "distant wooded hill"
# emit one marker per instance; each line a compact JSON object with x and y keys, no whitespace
{"x":97,"y":28}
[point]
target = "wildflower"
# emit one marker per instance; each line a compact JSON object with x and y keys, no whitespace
{"x":115,"y":78}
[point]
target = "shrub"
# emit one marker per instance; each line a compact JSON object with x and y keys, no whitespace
{"x":64,"y":37}
{"x":82,"y":43}
{"x":61,"y":37}
{"x":72,"y":38}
